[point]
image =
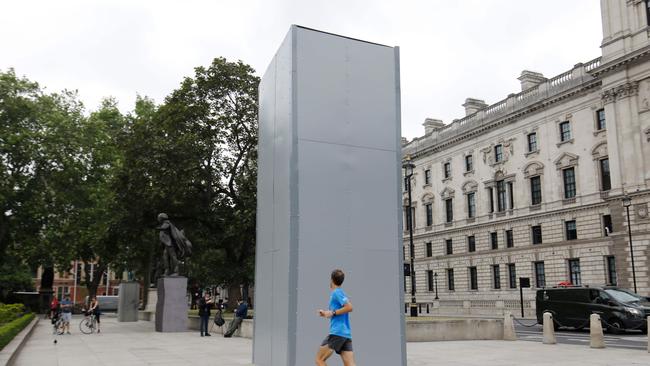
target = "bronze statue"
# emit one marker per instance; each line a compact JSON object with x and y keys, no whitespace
{"x":176,"y":247}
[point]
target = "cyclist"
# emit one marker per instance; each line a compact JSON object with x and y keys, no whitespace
{"x":95,"y":310}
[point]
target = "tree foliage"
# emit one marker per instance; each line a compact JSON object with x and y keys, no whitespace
{"x":89,"y":186}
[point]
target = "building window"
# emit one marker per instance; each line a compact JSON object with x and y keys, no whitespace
{"x":427,"y":176}
{"x":647,"y":11}
{"x":607,"y":225}
{"x":511,"y":195}
{"x":600,"y":120}
{"x":536,"y":190}
{"x":429,"y":249}
{"x":571,"y":231}
{"x":501,"y":195}
{"x":532,"y":142}
{"x":605,"y":182}
{"x":450,"y":246}
{"x":510,"y":241}
{"x":536,"y":232}
{"x":540,"y":277}
{"x":410,"y":217}
{"x":450,"y":279}
{"x":447,"y":170}
{"x":494,"y":240}
{"x":469,"y":163}
{"x":512,"y":275}
{"x":429,"y":210}
{"x":565,"y":131}
{"x":569,"y":183}
{"x":449,"y":209}
{"x":498,"y":153}
{"x":473,"y":279}
{"x":611,"y":270}
{"x":471,"y":244}
{"x":574,"y":271}
{"x":471,"y":205}
{"x":430,"y":280}
{"x":491,"y":198}
{"x":406,"y":184}
{"x":496,"y":277}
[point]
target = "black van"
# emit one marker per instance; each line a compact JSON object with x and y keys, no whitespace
{"x":571,"y":307}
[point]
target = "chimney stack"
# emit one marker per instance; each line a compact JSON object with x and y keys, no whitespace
{"x":530,"y":79}
{"x":473,"y":105}
{"x":431,"y":125}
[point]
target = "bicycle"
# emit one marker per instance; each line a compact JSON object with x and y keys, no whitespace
{"x":57,"y":325}
{"x":88,"y":324}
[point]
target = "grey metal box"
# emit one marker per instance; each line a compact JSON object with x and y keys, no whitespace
{"x":329,"y":197}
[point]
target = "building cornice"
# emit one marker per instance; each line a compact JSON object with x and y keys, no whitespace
{"x":613,"y":65}
{"x":512,"y":117}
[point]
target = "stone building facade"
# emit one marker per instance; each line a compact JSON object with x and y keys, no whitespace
{"x":532,"y":185}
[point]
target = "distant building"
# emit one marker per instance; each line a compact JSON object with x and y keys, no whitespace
{"x":532,"y":186}
{"x":66,"y":284}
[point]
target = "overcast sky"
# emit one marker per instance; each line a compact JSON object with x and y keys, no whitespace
{"x":450,"y":49}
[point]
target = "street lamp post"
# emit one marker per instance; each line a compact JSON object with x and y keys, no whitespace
{"x":435,"y":281}
{"x":627,"y":202}
{"x":408,"y":174}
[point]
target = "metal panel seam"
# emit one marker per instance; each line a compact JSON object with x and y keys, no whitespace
{"x":398,"y":195}
{"x":293,"y":208}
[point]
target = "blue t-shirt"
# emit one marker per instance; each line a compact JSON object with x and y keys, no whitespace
{"x":66,"y":306}
{"x":339,"y":324}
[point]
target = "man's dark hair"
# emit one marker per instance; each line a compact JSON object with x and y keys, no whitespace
{"x":338,"y":277}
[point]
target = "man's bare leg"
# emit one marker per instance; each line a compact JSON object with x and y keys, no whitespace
{"x":324,"y":352}
{"x":348,"y":358}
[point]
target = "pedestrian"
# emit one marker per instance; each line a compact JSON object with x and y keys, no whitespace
{"x":240,"y":315}
{"x":54,"y":307}
{"x":205,"y":304}
{"x":66,"y":308}
{"x":339,"y":339}
{"x":95,"y":310}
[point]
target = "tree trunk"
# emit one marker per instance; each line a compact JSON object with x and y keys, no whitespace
{"x":146,"y":283}
{"x":97,"y":277}
{"x":233,"y":295}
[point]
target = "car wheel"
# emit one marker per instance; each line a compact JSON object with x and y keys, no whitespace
{"x":615,"y":326}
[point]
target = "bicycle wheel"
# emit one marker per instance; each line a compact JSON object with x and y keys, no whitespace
{"x":59,"y":327}
{"x":86,"y":326}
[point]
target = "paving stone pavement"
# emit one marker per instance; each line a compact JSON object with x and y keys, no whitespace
{"x":131,"y":344}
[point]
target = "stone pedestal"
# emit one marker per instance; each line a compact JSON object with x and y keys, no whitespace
{"x":127,"y":306}
{"x":171,"y":307}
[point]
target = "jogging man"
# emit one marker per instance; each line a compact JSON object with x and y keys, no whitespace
{"x":339,"y":339}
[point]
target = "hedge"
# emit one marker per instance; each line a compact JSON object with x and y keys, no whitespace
{"x":9,"y":312}
{"x":9,"y":330}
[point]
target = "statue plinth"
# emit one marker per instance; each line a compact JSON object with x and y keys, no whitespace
{"x":129,"y":298}
{"x":171,"y":307}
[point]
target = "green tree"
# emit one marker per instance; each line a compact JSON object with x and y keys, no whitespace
{"x":56,"y":166}
{"x":195,"y":158}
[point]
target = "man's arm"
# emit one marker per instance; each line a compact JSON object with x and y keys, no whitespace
{"x":347,"y":308}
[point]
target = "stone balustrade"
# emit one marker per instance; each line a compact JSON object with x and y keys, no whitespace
{"x":579,"y":75}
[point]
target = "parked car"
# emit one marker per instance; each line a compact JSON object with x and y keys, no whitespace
{"x":571,"y":307}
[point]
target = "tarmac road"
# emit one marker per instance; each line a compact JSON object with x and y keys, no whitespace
{"x":629,"y":340}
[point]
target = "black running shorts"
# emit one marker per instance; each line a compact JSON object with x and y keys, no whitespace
{"x":338,"y":344}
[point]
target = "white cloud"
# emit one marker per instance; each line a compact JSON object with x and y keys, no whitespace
{"x":450,"y":50}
